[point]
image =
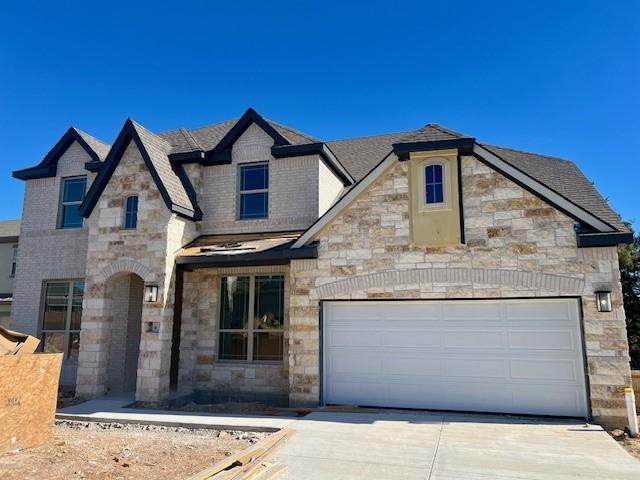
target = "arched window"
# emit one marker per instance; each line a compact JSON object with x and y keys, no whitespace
{"x":434,"y":184}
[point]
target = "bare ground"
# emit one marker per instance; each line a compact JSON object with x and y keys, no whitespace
{"x":631,"y":445}
{"x":82,"y":450}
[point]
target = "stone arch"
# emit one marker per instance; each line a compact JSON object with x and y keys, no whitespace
{"x":126,"y":265}
{"x":455,"y":276}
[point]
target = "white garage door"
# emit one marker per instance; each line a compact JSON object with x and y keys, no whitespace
{"x":510,"y":356}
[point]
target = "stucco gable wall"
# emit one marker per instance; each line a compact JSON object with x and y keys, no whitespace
{"x":516,"y":246}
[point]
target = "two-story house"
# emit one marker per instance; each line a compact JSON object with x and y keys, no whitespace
{"x":247,"y":260}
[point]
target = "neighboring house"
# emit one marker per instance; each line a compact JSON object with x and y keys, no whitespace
{"x":9,"y":231}
{"x":246,"y":260}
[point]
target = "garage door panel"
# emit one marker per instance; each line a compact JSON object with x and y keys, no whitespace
{"x":475,"y":339}
{"x":511,"y":356}
{"x":539,"y":369}
{"x":543,"y":340}
{"x":479,"y":368}
{"x":540,"y":311}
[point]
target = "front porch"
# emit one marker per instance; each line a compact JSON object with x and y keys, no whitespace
{"x":222,"y":336}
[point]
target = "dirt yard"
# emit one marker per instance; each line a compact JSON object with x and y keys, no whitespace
{"x":631,"y":445}
{"x":82,"y":450}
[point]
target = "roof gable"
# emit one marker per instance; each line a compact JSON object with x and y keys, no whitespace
{"x":172,"y":182}
{"x":221,"y":153}
{"x":48,"y":167}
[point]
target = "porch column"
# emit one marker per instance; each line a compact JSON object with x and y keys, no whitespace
{"x":154,"y":362}
{"x":95,"y":340}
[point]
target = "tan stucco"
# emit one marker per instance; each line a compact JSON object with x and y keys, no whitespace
{"x":434,"y":225}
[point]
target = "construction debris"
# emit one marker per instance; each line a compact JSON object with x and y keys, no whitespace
{"x":29,"y":386}
{"x":251,"y":463}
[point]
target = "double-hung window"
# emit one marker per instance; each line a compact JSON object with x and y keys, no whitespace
{"x":62,"y":317}
{"x":254,"y":191}
{"x":251,"y":320}
{"x":131,"y":212}
{"x":73,"y":190}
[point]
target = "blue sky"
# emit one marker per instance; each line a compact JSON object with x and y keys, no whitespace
{"x":559,"y":78}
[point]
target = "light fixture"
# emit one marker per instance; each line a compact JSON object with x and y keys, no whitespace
{"x":150,"y":293}
{"x":603,"y":301}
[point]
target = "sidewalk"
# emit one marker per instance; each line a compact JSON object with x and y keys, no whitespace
{"x":115,"y":409}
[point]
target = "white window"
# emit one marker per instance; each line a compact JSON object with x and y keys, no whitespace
{"x":251,"y":321}
{"x":73,"y":190}
{"x":254,"y":191}
{"x":61,"y":317}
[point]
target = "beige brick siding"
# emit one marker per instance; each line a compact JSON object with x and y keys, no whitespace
{"x":199,"y":365}
{"x":293,"y":189}
{"x":516,"y":246}
{"x":47,"y":253}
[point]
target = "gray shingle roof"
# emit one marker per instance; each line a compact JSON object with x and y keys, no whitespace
{"x":9,"y":228}
{"x":431,"y":132}
{"x":98,"y":146}
{"x":206,"y":138}
{"x":565,"y":178}
{"x":158,"y":150}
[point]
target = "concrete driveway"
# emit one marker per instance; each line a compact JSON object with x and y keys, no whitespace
{"x":450,"y":446}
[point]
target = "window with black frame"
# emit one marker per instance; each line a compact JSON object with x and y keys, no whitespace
{"x":252,"y":319}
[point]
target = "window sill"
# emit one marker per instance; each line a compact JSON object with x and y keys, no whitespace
{"x":248,"y":363}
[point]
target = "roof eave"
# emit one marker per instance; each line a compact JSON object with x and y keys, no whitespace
{"x":604,"y":239}
{"x":403,"y":149}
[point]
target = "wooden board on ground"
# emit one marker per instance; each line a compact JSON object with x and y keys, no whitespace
{"x":29,"y":386}
{"x":248,"y":463}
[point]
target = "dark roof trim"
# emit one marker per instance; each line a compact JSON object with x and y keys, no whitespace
{"x":93,"y":166}
{"x":127,"y":134}
{"x":11,"y":239}
{"x":318,"y":148}
{"x":48,"y":167}
{"x":604,"y":239}
{"x":276,"y":256}
{"x":402,"y":150}
{"x":214,"y":157}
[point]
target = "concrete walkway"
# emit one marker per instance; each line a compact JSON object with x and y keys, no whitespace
{"x":115,"y":409}
{"x":450,"y":447}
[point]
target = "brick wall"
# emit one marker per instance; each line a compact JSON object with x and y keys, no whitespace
{"x":47,"y":253}
{"x":516,"y":246}
{"x":293,"y":188}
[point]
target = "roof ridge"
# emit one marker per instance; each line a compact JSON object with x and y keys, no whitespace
{"x":370,"y":136}
{"x":446,"y":130}
{"x":191,"y":140}
{"x":146,"y":131}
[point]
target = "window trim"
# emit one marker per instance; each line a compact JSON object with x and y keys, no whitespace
{"x":126,"y":212}
{"x":62,"y":203}
{"x":244,"y":192}
{"x":67,"y":321}
{"x":14,"y":260}
{"x":446,"y":184}
{"x":250,"y":330}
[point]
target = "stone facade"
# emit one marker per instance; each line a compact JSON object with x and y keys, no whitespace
{"x":516,"y":246}
{"x":148,"y":251}
{"x":200,"y":369}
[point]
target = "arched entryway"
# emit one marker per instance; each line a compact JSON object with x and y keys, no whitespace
{"x":125,"y":294}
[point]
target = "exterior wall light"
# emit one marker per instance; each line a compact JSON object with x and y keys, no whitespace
{"x":603,"y":301}
{"x":150,"y":293}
